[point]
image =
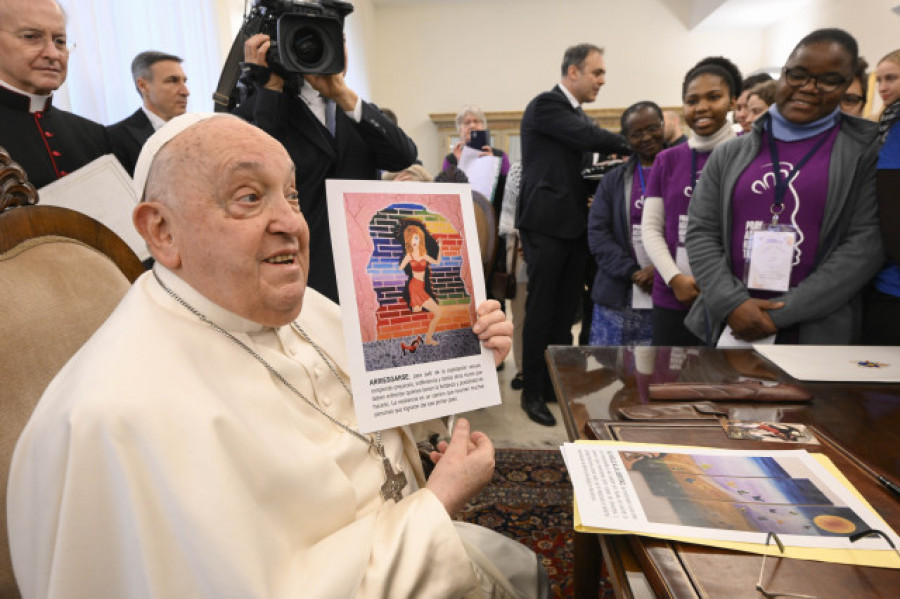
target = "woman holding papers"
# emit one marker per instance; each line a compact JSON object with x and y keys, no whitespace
{"x":624,"y":272}
{"x":783,"y":253}
{"x":883,"y":305}
{"x":708,"y":93}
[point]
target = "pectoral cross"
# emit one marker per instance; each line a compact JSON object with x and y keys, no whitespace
{"x":393,"y":481}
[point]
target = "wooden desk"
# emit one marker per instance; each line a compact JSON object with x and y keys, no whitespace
{"x":864,"y":419}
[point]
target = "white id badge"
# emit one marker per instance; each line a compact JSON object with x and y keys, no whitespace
{"x":640,"y":300}
{"x":770,"y":259}
{"x":681,"y":261}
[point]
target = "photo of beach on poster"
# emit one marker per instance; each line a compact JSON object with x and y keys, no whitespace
{"x":726,"y":495}
{"x":410,"y":278}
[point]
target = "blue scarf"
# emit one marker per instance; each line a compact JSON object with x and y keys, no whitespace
{"x":785,"y":130}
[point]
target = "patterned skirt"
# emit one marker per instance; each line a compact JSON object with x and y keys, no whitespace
{"x":627,"y":326}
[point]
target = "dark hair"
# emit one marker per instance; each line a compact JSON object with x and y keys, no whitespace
{"x":765,"y":91}
{"x":140,"y":66}
{"x":756,"y":79}
{"x":862,"y":66}
{"x":639,"y":106}
{"x":720,"y":67}
{"x":391,"y":115}
{"x":576,"y":55}
{"x":833,"y":35}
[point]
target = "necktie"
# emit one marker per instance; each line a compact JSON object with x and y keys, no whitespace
{"x":330,"y":110}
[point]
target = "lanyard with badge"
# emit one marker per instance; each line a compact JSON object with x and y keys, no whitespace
{"x":640,"y":300}
{"x":681,"y":257}
{"x":770,"y":255}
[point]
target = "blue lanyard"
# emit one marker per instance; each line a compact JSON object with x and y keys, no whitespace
{"x":781,"y":185}
{"x":694,"y":174}
{"x":640,"y":171}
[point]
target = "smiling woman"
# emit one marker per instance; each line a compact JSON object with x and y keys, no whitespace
{"x":817,"y":209}
{"x":709,"y":91}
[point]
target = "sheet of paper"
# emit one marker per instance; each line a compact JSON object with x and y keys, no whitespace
{"x":640,"y":299}
{"x":853,"y":363}
{"x":482,"y":171}
{"x":408,"y":304}
{"x":724,"y":498}
{"x":102,"y":190}
{"x":771,"y":260}
{"x":727,"y":339}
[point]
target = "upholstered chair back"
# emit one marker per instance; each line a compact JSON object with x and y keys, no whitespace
{"x":58,"y":284}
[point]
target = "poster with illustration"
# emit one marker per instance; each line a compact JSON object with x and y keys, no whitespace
{"x":410,"y":278}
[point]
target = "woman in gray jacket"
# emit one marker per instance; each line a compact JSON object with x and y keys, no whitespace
{"x":786,"y":251}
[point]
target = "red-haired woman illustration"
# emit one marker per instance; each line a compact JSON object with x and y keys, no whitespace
{"x":416,"y":263}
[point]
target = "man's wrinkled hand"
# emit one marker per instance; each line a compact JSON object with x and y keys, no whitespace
{"x":462,"y":467}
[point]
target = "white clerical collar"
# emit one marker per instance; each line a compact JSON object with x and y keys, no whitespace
{"x":36,"y":102}
{"x":224,"y":318}
{"x":154,"y":119}
{"x":565,"y":90}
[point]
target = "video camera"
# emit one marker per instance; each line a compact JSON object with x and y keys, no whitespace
{"x":307,"y":37}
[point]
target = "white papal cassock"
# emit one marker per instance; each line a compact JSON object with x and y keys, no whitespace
{"x":164,"y":461}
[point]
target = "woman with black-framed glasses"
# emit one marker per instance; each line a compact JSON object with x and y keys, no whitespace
{"x":783,"y":253}
{"x":854,"y":99}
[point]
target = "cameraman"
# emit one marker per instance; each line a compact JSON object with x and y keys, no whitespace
{"x":329,"y":132}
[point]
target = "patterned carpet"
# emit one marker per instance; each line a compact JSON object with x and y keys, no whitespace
{"x":530,"y":500}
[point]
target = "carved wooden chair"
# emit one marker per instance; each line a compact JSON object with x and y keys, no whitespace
{"x":61,"y":275}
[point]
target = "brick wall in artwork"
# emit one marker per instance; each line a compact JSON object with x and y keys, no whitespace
{"x":393,"y":316}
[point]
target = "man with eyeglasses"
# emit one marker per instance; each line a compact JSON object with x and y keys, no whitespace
{"x":46,"y":141}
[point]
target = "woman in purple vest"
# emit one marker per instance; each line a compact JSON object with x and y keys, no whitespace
{"x":783,"y":253}
{"x":708,"y":92}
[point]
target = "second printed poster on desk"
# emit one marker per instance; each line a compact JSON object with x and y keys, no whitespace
{"x":410,"y":278}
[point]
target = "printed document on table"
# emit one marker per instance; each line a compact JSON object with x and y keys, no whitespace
{"x":726,"y":498}
{"x":845,"y":363}
{"x":410,"y":279}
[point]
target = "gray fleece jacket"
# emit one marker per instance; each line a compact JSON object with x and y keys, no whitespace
{"x":826,"y":305}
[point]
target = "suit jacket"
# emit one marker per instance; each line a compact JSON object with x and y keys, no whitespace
{"x":555,"y":137}
{"x":49,"y":144}
{"x":128,"y":137}
{"x":356,"y":151}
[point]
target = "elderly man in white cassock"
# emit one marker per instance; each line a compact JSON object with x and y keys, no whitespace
{"x":203,"y":442}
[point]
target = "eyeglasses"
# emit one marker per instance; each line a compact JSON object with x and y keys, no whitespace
{"x":851,"y":99}
{"x":852,"y":538}
{"x":35,"y":39}
{"x":759,"y":583}
{"x":826,"y":82}
{"x":637,"y":134}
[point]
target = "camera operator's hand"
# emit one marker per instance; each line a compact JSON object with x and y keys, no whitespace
{"x":255,"y":49}
{"x":335,"y":88}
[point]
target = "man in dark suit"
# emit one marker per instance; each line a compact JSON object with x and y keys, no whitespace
{"x":46,"y":141}
{"x":552,"y":213}
{"x":162,"y":85}
{"x":330,"y":133}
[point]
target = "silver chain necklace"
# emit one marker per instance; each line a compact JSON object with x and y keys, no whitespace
{"x":394,"y":481}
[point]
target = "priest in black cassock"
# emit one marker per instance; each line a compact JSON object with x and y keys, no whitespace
{"x":47,"y":142}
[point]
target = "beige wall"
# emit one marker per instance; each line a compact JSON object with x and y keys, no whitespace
{"x":424,"y":57}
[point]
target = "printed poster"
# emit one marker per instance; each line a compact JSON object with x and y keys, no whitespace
{"x":410,"y":278}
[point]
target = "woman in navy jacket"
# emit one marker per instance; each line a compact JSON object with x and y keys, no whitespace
{"x":614,"y":225}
